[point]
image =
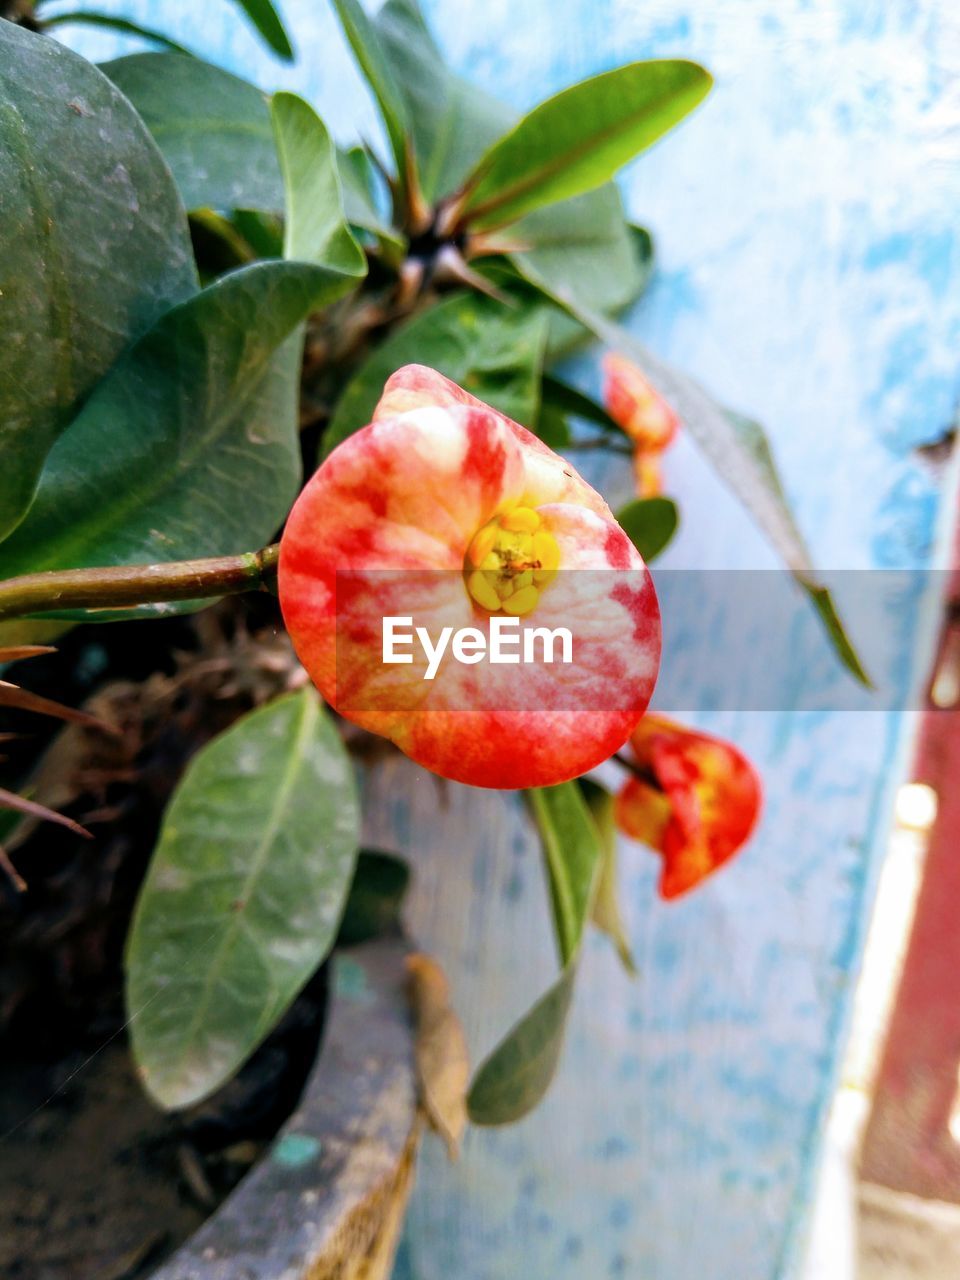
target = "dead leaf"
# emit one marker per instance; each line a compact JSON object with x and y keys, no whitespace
{"x":443,"y":1063}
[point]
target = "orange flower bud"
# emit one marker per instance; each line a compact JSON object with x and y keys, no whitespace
{"x":697,"y":806}
{"x":643,"y":414}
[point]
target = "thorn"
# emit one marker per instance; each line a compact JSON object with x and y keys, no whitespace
{"x":11,"y":872}
{"x":484,"y":244}
{"x":450,"y":268}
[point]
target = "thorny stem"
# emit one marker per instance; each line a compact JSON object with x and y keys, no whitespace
{"x":125,"y":585}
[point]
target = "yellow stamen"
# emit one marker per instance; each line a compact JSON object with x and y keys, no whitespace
{"x":482,"y":591}
{"x":510,"y":561}
{"x":522,"y":602}
{"x":520,"y":520}
{"x":482,"y":544}
{"x":546,"y":551}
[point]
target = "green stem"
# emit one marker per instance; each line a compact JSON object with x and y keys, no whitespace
{"x":121,"y":586}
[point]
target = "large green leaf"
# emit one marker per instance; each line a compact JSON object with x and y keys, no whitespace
{"x":189,"y":447}
{"x":739,"y":451}
{"x":316,"y":229}
{"x":585,"y":246}
{"x":371,"y":57}
{"x":495,"y":352}
{"x":243,"y":896}
{"x":214,"y":129}
{"x":518,"y":1073}
{"x":578,"y":139}
{"x":94,"y":246}
{"x":452,"y":122}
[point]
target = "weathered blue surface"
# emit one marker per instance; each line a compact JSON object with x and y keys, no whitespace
{"x":807,"y":229}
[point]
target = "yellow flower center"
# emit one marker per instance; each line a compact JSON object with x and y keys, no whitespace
{"x":510,"y":561}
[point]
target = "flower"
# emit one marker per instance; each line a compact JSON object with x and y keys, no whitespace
{"x":695,"y":799}
{"x":643,"y":414}
{"x":445,"y":512}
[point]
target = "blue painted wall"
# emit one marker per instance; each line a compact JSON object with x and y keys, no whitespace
{"x":807,"y":228}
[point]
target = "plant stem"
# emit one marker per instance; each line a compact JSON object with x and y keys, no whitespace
{"x":125,"y":585}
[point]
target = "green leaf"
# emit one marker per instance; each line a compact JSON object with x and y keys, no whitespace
{"x":90,"y":18}
{"x":94,"y":246}
{"x":265,"y":18}
{"x":572,"y":852}
{"x":451,"y":121}
{"x":214,"y":129}
{"x":649,"y":523}
{"x":373,"y":62}
{"x":518,"y":1073}
{"x":316,"y":229}
{"x":585,"y":246}
{"x":823,"y":602}
{"x":578,"y":139}
{"x":379,"y":887}
{"x":243,"y":896}
{"x":189,"y":447}
{"x":495,"y":352}
{"x":360,"y":203}
{"x":566,"y":399}
{"x":740,"y":453}
{"x":607,"y":915}
{"x":552,"y":427}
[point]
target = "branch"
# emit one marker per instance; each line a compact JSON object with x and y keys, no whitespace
{"x":124,"y":585}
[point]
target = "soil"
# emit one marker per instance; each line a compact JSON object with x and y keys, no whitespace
{"x":95,"y":1183}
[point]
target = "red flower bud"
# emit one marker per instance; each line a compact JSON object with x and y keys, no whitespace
{"x":697,"y":804}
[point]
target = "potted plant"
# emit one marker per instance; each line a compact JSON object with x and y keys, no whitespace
{"x":234,"y":352}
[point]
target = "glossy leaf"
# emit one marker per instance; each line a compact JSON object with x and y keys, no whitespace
{"x":189,"y":447}
{"x":738,"y":449}
{"x":91,"y":18}
{"x":373,"y":62}
{"x":578,"y":139}
{"x":214,"y":129}
{"x":451,"y":122}
{"x":585,"y":246}
{"x":650,"y":524}
{"x":243,"y":895}
{"x":315,"y":227}
{"x":264,"y":16}
{"x":85,"y":265}
{"x":518,"y":1073}
{"x":494,"y":352}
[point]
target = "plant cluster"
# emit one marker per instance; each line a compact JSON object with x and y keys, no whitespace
{"x":202,"y":297}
